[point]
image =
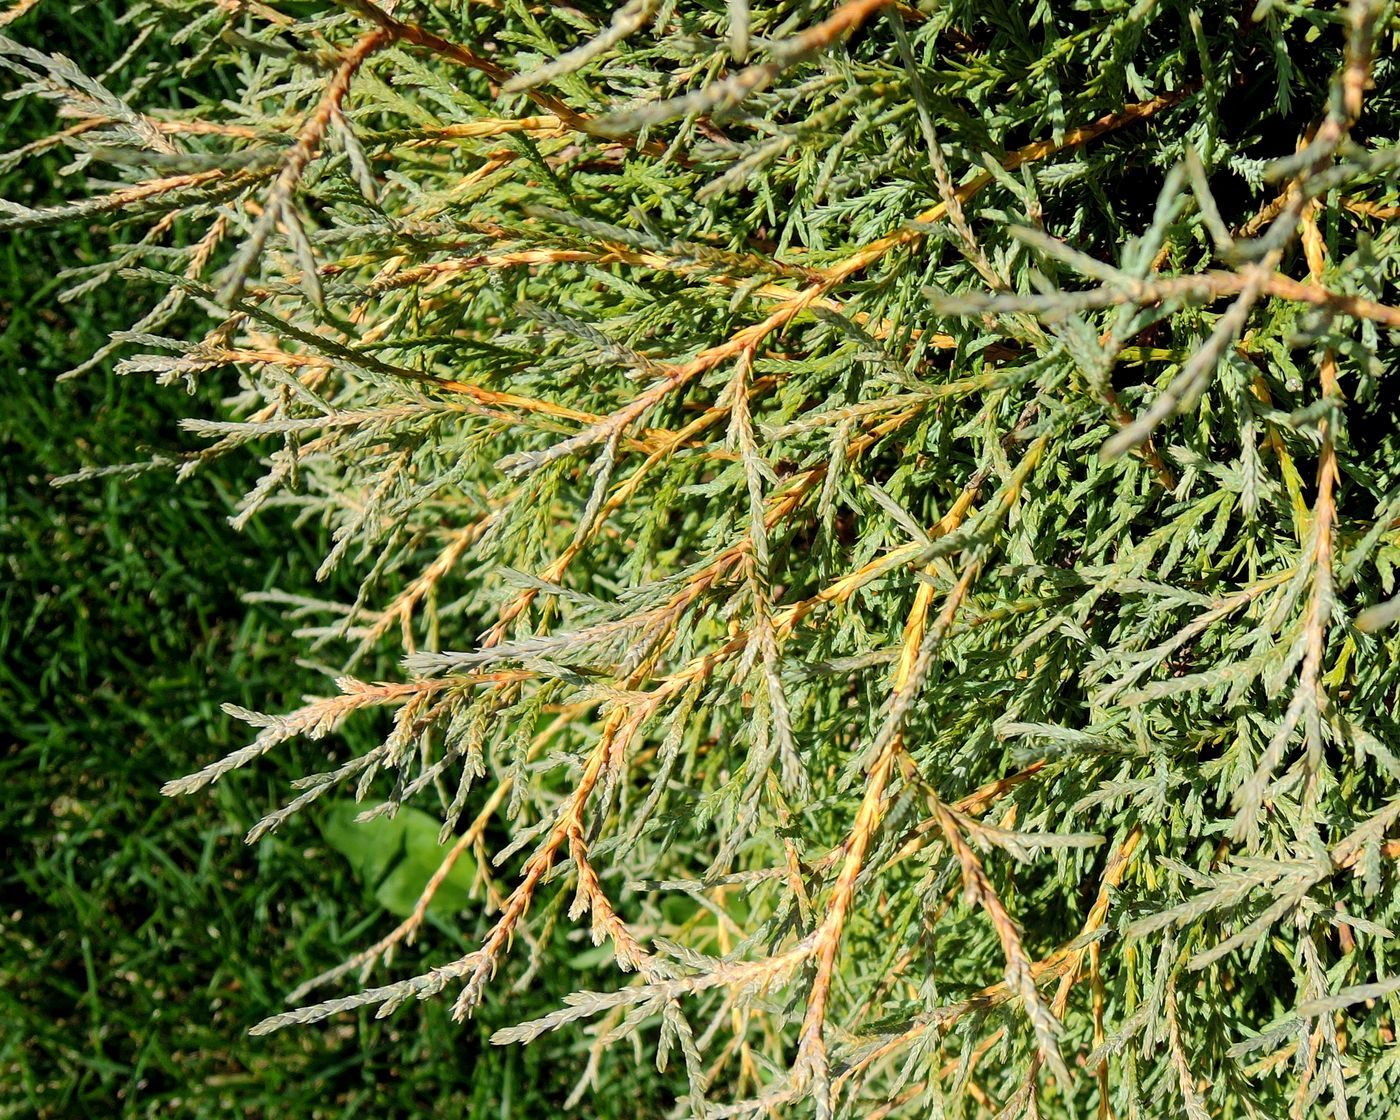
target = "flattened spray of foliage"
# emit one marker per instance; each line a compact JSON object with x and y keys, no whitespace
{"x":890,"y":512}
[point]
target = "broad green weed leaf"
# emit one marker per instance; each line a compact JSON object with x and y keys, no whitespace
{"x":396,"y":856}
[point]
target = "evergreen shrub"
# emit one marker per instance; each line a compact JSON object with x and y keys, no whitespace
{"x":889,"y":513}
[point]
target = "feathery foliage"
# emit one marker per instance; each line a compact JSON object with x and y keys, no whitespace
{"x":890,"y":513}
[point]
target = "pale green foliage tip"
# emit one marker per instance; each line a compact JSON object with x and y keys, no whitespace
{"x":890,"y":513}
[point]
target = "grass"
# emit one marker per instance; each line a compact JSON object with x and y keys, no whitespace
{"x":139,"y":938}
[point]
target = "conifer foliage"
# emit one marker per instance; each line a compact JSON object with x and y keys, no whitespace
{"x":888,"y":512}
